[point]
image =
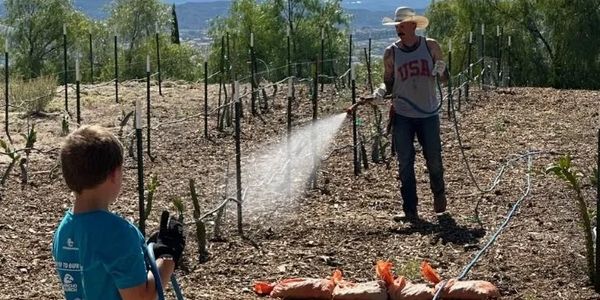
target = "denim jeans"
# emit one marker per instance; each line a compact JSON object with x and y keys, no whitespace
{"x":427,"y":131}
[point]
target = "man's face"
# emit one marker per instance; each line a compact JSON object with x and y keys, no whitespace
{"x":405,"y":28}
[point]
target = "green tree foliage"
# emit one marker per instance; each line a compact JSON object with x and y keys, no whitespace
{"x":174,"y":27}
{"x":36,"y":32}
{"x":269,"y":20}
{"x":554,"y":42}
{"x":135,"y":21}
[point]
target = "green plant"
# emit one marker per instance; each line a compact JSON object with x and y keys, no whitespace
{"x":150,"y":190}
{"x":178,"y":203}
{"x":32,"y":96}
{"x":411,"y":269}
{"x":30,"y":139}
{"x":65,"y":125}
{"x":124,"y":120}
{"x":379,"y":140}
{"x":200,"y":227}
{"x":13,"y":155}
{"x":565,"y":171}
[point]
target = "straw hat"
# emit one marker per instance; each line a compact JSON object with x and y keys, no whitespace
{"x":406,"y":14}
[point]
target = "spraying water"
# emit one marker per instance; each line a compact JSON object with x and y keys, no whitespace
{"x":265,"y":173}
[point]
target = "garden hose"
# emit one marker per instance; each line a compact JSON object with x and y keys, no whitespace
{"x":151,"y":261}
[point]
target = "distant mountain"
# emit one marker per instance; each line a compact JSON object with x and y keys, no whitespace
{"x":195,"y":15}
{"x":363,"y":18}
{"x":388,"y":6}
{"x":95,"y":9}
{"x":213,"y":8}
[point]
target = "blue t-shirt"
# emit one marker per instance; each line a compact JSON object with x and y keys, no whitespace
{"x":96,"y":254}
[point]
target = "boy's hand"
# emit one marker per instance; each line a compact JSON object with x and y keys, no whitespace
{"x":169,"y":240}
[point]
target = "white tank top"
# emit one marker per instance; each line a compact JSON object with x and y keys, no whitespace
{"x":413,"y":81}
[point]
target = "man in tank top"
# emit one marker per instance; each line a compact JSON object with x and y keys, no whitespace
{"x":411,"y":65}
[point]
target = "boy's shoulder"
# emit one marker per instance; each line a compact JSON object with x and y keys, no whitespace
{"x":114,"y":221}
{"x":104,"y":222}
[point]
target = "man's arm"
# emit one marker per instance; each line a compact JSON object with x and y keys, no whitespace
{"x":388,"y":69}
{"x":147,"y":290}
{"x":437,"y":55}
{"x":383,"y":89}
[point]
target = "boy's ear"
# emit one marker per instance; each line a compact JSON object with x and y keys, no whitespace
{"x":116,"y":174}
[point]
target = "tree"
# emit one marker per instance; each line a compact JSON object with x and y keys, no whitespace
{"x":174,"y":26}
{"x":134,"y":21}
{"x":555,"y":42}
{"x":268,"y":20}
{"x":37,"y":31}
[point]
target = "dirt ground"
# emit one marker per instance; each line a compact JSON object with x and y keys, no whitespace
{"x":346,"y":222}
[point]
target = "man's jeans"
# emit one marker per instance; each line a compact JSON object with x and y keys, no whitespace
{"x":427,"y":131}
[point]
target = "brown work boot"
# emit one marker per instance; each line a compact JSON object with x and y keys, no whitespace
{"x":439,"y":204}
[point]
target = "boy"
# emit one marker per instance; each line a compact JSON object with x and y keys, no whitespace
{"x":98,"y":254}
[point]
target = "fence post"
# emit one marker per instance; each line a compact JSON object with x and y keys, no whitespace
{"x":116,"y":70}
{"x":65,"y":69}
{"x":354,"y":129}
{"x":252,"y":75}
{"x":238,"y":156}
{"x":450,"y":104}
{"x":206,"y":99}
{"x":370,"y":78}
{"x":499,"y":54}
{"x":158,"y":62}
{"x":148,"y":105}
{"x":482,"y":54}
{"x":91,"y":57}
{"x":469,"y":69}
{"x":77,"y":91}
{"x":597,"y":283}
{"x":315,"y":112}
{"x":322,"y":68}
{"x":221,"y":81}
{"x":290,"y":98}
{"x":289,"y":53}
{"x":6,"y":87}
{"x":140,"y":165}
{"x":350,"y":59}
{"x":508,"y":62}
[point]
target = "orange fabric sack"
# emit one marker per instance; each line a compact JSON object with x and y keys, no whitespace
{"x":411,"y":291}
{"x":400,"y":288}
{"x":461,"y":290}
{"x":469,"y":290}
{"x":262,"y":288}
{"x":306,"y":288}
{"x":372,"y":290}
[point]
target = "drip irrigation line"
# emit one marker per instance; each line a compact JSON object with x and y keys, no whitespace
{"x":495,"y":236}
{"x":466,"y":161}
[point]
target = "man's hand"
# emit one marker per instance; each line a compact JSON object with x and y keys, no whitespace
{"x":169,"y":240}
{"x":439,"y":68}
{"x":379,"y":92}
{"x":361,"y":101}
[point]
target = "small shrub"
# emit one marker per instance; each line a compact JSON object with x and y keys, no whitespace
{"x":411,"y":269}
{"x":32,"y":96}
